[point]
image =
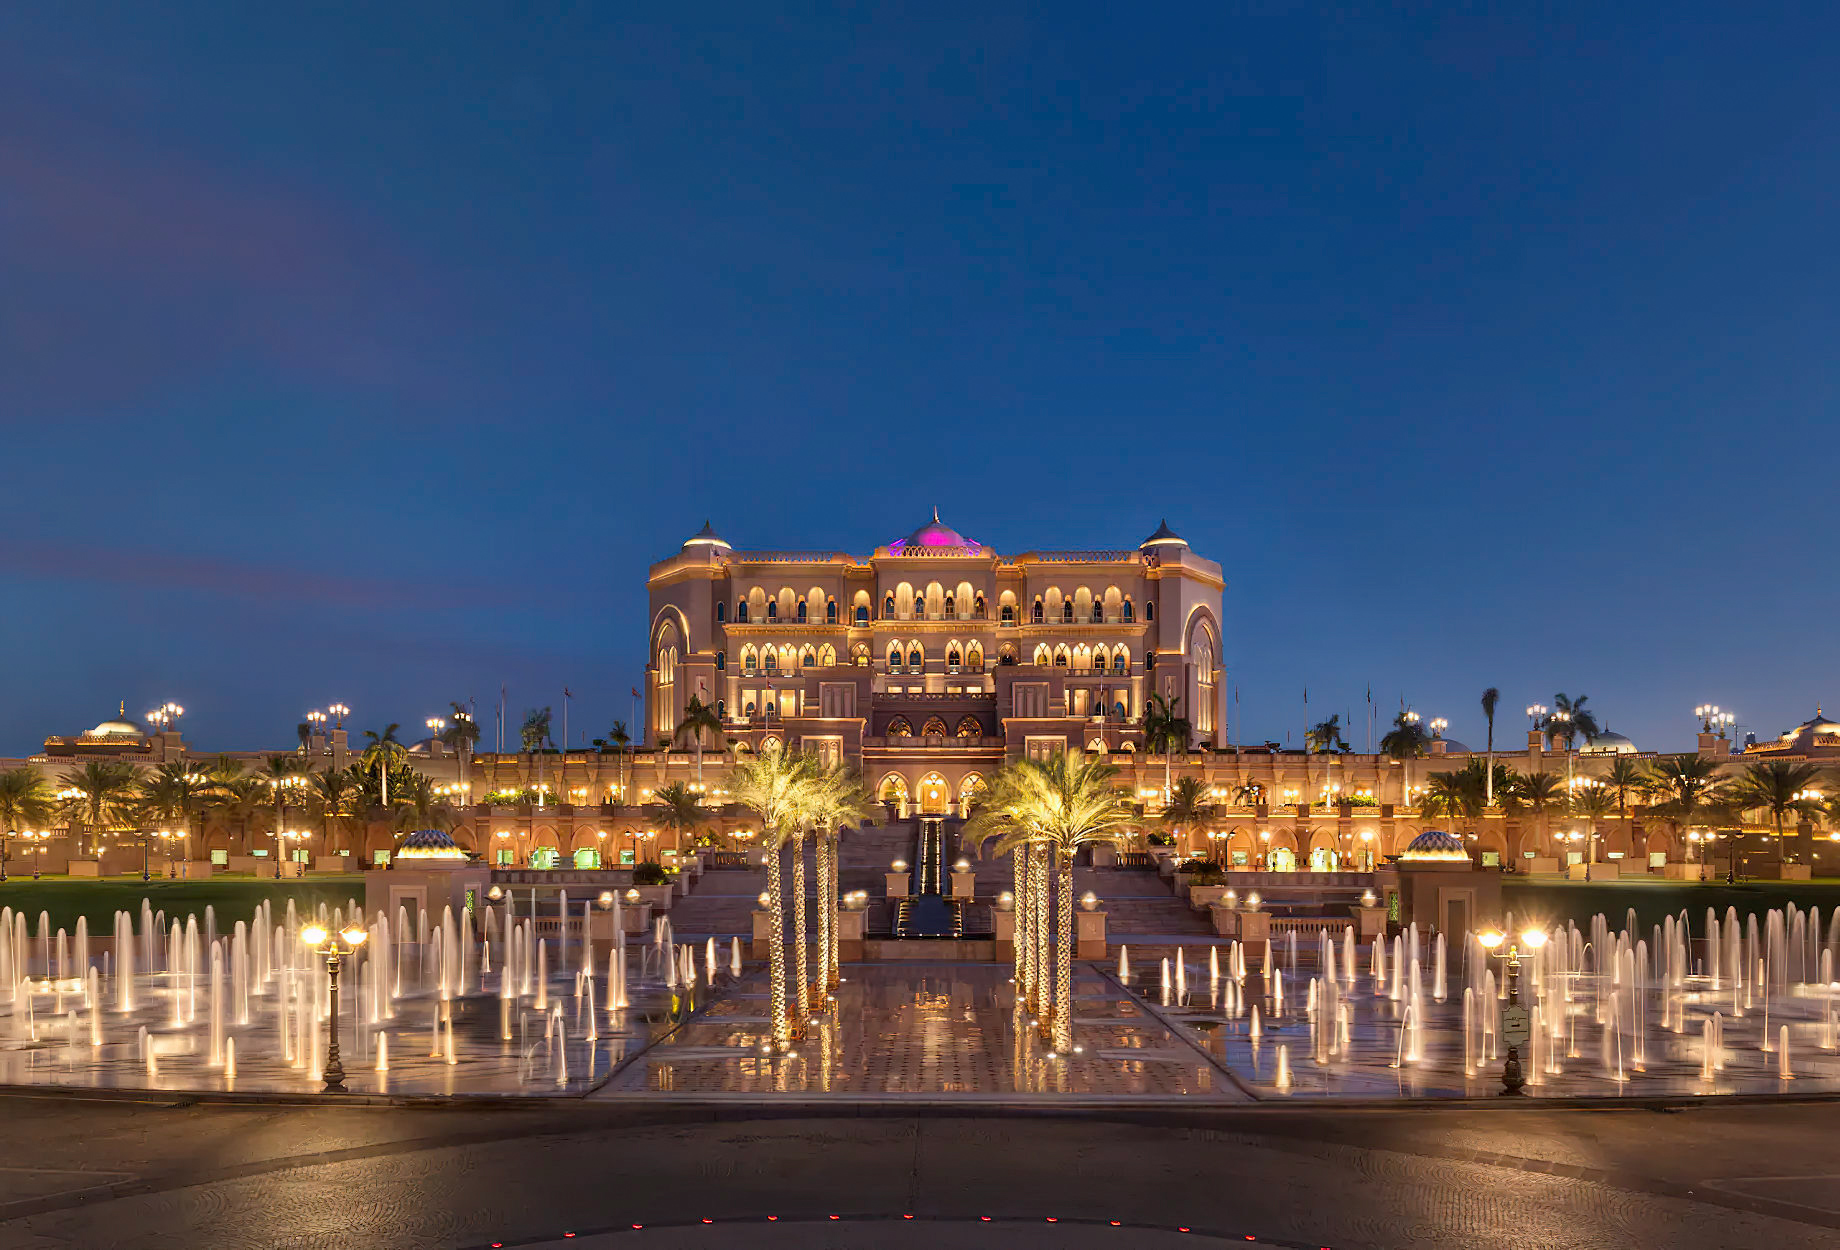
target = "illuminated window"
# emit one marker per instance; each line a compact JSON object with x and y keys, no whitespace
{"x":914,"y":660}
{"x":1036,"y":611}
{"x":888,"y":606}
{"x":977,"y":607}
{"x":1008,"y":615}
{"x":769,"y":662}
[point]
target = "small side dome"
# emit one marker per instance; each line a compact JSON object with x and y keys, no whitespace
{"x":429,"y":844}
{"x":1607,"y":743}
{"x":1434,"y":846}
{"x":118,"y":728}
{"x":707,"y":537}
{"x":1164,"y":537}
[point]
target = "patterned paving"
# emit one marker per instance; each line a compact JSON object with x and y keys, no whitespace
{"x":927,"y":1029}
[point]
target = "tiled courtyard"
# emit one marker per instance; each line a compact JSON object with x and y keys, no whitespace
{"x":927,"y":1029}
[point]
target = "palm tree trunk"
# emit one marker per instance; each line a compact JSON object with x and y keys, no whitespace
{"x":798,"y":928}
{"x":1025,"y":923}
{"x":824,"y":912}
{"x":1044,"y":987}
{"x":1063,"y":959}
{"x":1018,"y":863}
{"x":835,"y":972}
{"x":776,"y":923}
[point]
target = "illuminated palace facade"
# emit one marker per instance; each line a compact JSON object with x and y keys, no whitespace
{"x":930,"y":662}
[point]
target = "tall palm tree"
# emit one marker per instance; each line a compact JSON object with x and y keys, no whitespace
{"x":1062,"y":806}
{"x":700,"y":719}
{"x":1593,"y":802}
{"x":680,"y":809}
{"x":1779,"y":787}
{"x":383,"y":752}
{"x":841,"y":797}
{"x":1406,"y":739}
{"x":420,"y":806}
{"x":1681,"y":787}
{"x":621,"y":741}
{"x":534,"y":732}
{"x":1540,"y":793}
{"x":462,"y":733}
{"x":25,"y":801}
{"x":287,"y":782}
{"x":778,"y":788}
{"x":1570,"y":718}
{"x":1187,"y":807}
{"x":334,"y":796}
{"x":1166,"y":731}
{"x":1490,"y":698}
{"x":1325,"y":736}
{"x":99,"y":796}
{"x":1445,"y":795}
{"x":177,"y":792}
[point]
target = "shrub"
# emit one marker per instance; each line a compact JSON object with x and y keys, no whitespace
{"x":651,"y":872}
{"x":1202,"y":872}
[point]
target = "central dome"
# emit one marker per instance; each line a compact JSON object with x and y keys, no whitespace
{"x":935,"y":535}
{"x":122,"y":728}
{"x":1435,"y":846}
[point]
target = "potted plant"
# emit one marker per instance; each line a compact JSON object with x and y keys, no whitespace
{"x":653,"y":881}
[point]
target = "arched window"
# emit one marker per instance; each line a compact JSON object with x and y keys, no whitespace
{"x":1118,"y":709}
{"x":977,"y":607}
{"x":721,"y":709}
{"x":750,"y":708}
{"x":899,"y":728}
{"x":894,"y":657}
{"x":773,"y":609}
{"x":859,"y":655}
{"x":1060,"y":658}
{"x":721,"y":661}
{"x":769,"y":662}
{"x":974,"y":657}
{"x":1008,"y":615}
{"x":951,"y":608}
{"x":1098,"y":613}
{"x":934,"y":728}
{"x":1127,"y":611}
{"x":1035,"y":612}
{"x":1149,"y":611}
{"x":1121,"y":663}
{"x":741,"y":612}
{"x":969,"y":728}
{"x":862,"y":614}
{"x":830,"y":611}
{"x":808,"y":658}
{"x":1041,"y":656}
{"x":888,"y":607}
{"x":1067,"y":611}
{"x":721,"y":613}
{"x":953,"y":660}
{"x":801,"y":611}
{"x":747,"y":661}
{"x":827,"y":656}
{"x":915,"y":660}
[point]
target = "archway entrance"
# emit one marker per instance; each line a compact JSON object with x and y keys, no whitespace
{"x":935,"y":795}
{"x":1322,"y":859}
{"x":894,"y":791}
{"x":1282,"y":859}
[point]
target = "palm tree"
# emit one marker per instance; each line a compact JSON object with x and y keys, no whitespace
{"x":462,"y":733}
{"x":1490,"y":698}
{"x":1570,"y":718}
{"x":534,"y":733}
{"x":1593,"y":801}
{"x":383,"y":752}
{"x":621,"y":740}
{"x":999,"y":813}
{"x":841,"y":797}
{"x":778,"y":788}
{"x":1681,"y":787}
{"x":1187,"y":806}
{"x":25,"y":800}
{"x":1446,"y":795}
{"x":1166,"y":731}
{"x":680,"y":810}
{"x":1406,"y":739}
{"x":420,"y":806}
{"x":1325,"y":736}
{"x":333,"y":796}
{"x":99,"y":796}
{"x":1540,"y":793}
{"x":285,"y":778}
{"x":175,"y":792}
{"x":1778,"y":787}
{"x":699,"y":718}
{"x":1062,"y":806}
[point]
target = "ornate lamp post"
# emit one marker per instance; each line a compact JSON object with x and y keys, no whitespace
{"x":1514,"y":1021}
{"x":334,"y":947}
{"x":281,"y":788}
{"x":339,"y":712}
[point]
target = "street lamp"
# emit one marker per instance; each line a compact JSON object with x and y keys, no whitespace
{"x":334,"y":947}
{"x":1536,"y":712}
{"x":1438,"y":726}
{"x":1514,"y":1021}
{"x":281,"y":787}
{"x":339,"y":713}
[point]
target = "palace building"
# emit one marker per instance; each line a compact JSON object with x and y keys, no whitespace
{"x":930,"y":661}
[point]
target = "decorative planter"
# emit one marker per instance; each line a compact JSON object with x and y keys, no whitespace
{"x":658,"y":896}
{"x":1201,"y":897}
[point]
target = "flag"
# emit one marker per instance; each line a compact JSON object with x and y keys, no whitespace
{"x":567,"y":693}
{"x":1370,"y":692}
{"x":635,"y":693}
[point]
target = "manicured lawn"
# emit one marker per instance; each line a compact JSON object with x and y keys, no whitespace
{"x":234,"y":898}
{"x":1579,"y":901}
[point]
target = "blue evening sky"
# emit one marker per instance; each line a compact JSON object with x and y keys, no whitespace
{"x":371,"y":353}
